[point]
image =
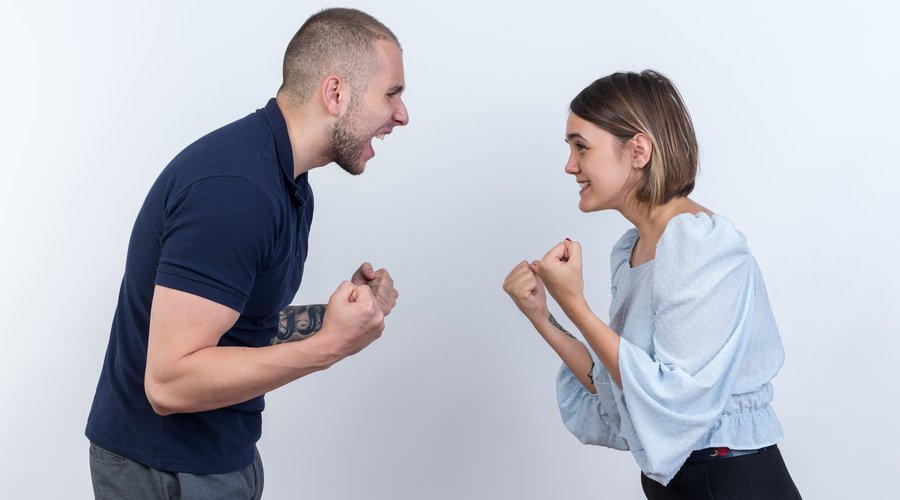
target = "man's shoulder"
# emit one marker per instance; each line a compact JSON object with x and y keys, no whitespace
{"x":231,"y":145}
{"x":243,"y":148}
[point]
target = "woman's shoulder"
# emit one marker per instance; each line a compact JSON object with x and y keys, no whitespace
{"x":701,"y":229}
{"x":700,"y":239}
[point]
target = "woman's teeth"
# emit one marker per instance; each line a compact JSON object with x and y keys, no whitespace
{"x":584,"y":185}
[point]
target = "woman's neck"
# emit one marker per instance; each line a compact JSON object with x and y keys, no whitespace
{"x":652,"y":223}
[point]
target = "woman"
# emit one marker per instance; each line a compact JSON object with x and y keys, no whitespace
{"x":685,"y":363}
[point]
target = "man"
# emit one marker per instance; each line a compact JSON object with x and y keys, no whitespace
{"x":201,"y":330}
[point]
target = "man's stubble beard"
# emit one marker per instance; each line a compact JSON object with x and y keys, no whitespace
{"x":346,"y":145}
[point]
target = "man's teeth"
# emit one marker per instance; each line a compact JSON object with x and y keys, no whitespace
{"x":380,"y":137}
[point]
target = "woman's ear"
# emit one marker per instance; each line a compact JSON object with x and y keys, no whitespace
{"x":641,"y":151}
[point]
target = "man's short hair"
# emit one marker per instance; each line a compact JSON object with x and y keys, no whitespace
{"x":339,"y":41}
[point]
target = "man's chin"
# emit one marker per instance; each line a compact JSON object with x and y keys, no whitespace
{"x":356,"y":169}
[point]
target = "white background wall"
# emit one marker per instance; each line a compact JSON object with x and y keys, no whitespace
{"x":795,"y":104}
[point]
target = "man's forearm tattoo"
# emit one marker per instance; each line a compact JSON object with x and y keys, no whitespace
{"x":557,"y":325}
{"x":299,"y":322}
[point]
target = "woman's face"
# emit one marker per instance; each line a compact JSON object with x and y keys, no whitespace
{"x":601,"y":164}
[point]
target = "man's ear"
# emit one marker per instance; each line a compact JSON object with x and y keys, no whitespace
{"x":333,"y":94}
{"x":642,"y":151}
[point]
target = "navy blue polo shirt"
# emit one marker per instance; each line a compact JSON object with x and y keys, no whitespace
{"x":227,"y":221}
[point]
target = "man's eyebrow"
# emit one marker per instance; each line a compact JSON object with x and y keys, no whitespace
{"x":396,"y":89}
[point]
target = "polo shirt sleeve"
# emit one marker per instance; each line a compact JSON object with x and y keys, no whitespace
{"x":217,"y":236}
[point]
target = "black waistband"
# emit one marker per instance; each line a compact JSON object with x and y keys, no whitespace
{"x":722,"y":453}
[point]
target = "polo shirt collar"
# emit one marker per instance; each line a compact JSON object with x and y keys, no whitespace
{"x":300,"y":185}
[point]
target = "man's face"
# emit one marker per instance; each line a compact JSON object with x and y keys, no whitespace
{"x":372,"y":113}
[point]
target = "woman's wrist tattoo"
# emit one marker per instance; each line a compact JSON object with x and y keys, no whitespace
{"x":559,"y":327}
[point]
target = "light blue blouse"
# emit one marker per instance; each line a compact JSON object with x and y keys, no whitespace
{"x":699,"y":348}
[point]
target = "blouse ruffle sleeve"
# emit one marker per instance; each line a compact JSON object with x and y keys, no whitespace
{"x":584,"y":413}
{"x":702,"y":301}
{"x":587,"y":416}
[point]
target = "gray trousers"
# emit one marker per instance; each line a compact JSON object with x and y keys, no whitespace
{"x":117,"y":477}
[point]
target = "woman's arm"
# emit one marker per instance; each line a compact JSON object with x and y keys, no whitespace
{"x":604,"y":341}
{"x":527,"y":292}
{"x":561,"y":270}
{"x":572,"y":352}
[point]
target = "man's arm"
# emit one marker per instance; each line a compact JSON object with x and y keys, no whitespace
{"x":299,"y":322}
{"x":187,"y":371}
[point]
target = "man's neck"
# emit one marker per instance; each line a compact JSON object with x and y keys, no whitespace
{"x":307,"y":134}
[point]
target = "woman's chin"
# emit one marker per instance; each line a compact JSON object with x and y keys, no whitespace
{"x":586,"y":207}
